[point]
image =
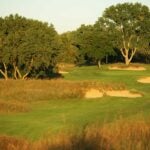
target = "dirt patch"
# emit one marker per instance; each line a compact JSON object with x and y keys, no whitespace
{"x":134,"y":68}
{"x":144,"y":80}
{"x":94,"y":93}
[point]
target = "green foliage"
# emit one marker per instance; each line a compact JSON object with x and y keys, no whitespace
{"x":68,"y":52}
{"x":27,"y":44}
{"x":92,"y":42}
{"x":130,"y":25}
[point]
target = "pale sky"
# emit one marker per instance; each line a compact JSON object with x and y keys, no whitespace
{"x":65,"y":15}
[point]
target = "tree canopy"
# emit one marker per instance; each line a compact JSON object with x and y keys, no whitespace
{"x":26,"y":45}
{"x":130,"y":23}
{"x":92,"y":43}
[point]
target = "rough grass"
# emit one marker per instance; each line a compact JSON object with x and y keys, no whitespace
{"x":36,"y":90}
{"x":121,"y":135}
{"x":16,"y":95}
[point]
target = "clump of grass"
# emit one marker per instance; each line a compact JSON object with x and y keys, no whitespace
{"x":13,"y":106}
{"x":36,"y":90}
{"x":122,"y":135}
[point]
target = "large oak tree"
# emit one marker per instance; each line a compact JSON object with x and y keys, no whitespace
{"x":130,"y":24}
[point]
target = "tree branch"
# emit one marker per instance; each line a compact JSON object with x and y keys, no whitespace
{"x":123,"y":37}
{"x":122,"y":52}
{"x":15,"y":72}
{"x":132,"y":53}
{"x":4,"y":73}
{"x":130,"y":38}
{"x":1,"y":71}
{"x":19,"y":73}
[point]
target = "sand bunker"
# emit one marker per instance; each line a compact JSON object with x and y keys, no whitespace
{"x":94,"y":93}
{"x":127,"y":68}
{"x":63,"y":72}
{"x":123,"y":93}
{"x":144,"y":80}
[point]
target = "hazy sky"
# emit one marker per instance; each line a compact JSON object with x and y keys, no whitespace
{"x":64,"y":14}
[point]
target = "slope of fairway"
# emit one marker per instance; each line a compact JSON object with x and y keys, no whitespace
{"x":53,"y":116}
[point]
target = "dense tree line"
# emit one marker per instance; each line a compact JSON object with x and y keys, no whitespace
{"x":30,"y":48}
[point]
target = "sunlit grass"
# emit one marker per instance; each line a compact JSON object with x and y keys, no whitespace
{"x":120,"y":135}
{"x":34,"y":108}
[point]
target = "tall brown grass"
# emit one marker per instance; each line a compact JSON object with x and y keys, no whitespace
{"x":122,"y":135}
{"x":16,"y":94}
{"x":36,"y":90}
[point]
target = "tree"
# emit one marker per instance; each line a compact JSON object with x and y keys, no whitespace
{"x":4,"y":51}
{"x":25,"y":45}
{"x":68,"y":51}
{"x":130,"y":24}
{"x":92,"y":42}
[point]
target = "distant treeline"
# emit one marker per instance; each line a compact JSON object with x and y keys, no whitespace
{"x":32,"y":49}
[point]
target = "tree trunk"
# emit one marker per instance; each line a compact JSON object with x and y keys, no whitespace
{"x":29,"y":69}
{"x":99,"y":64}
{"x":24,"y":76}
{"x":106,"y":59}
{"x":127,"y":61}
{"x":17,"y":73}
{"x":125,"y":54}
{"x":4,"y":73}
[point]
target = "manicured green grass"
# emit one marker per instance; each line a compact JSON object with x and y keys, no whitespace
{"x":53,"y":116}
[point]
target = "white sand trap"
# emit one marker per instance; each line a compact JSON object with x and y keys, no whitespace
{"x":93,"y":93}
{"x":123,"y":93}
{"x":144,"y":80}
{"x":127,"y":68}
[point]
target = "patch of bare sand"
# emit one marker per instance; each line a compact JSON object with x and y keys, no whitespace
{"x":144,"y":80}
{"x":127,"y":68}
{"x":123,"y":93}
{"x":95,"y":93}
{"x":63,"y":72}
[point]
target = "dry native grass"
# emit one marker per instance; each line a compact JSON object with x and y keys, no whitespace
{"x":36,"y":90}
{"x":122,"y":135}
